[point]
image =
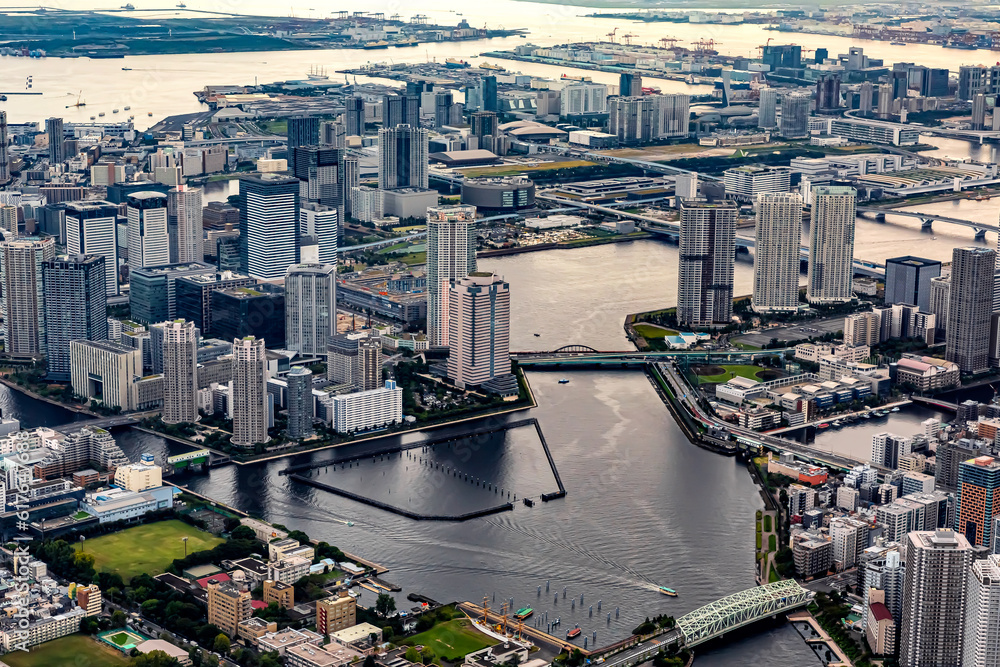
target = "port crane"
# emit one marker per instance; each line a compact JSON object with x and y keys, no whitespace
{"x":628,"y":38}
{"x":611,"y":35}
{"x":664,"y":41}
{"x":705,"y":45}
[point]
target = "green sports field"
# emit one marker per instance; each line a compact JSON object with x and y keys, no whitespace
{"x":69,"y":650}
{"x":149,"y":548}
{"x":452,"y":640}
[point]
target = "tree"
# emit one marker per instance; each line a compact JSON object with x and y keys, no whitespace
{"x":154,"y":659}
{"x":385,"y":604}
{"x":118,"y":619}
{"x":194,"y":655}
{"x":412,"y":655}
{"x":243,"y":533}
{"x":221,"y":644}
{"x":369,"y":661}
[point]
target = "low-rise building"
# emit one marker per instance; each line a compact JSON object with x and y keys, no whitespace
{"x":812,"y":556}
{"x":336,"y":613}
{"x":927,"y":373}
{"x":280,"y":642}
{"x":252,"y":629}
{"x":279,"y":592}
{"x":308,"y":655}
{"x":288,"y":570}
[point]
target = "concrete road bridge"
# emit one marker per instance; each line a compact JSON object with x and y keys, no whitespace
{"x":928,"y":219}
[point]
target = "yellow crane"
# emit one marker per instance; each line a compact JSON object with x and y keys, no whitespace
{"x":79,"y":101}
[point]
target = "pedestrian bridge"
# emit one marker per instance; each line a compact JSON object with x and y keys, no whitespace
{"x":740,"y":609}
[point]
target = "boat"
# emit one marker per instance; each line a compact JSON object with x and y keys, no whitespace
{"x":381,"y":44}
{"x":455,"y":63}
{"x":317,"y":74}
{"x":523,"y":613}
{"x":128,"y":108}
{"x":668,"y":591}
{"x":894,"y":410}
{"x":837,"y":424}
{"x":101,"y":114}
{"x":181,"y":5}
{"x":491,"y":67}
{"x":150,"y":113}
{"x":570,"y":77}
{"x":898,"y":43}
{"x":953,"y":45}
{"x":129,"y":7}
{"x":983,"y":198}
{"x":574,"y":633}
{"x":93,"y":118}
{"x":126,"y":69}
{"x":528,"y":502}
{"x":824,"y":425}
{"x":564,"y":381}
{"x":538,"y":335}
{"x":114,"y":111}
{"x":866,"y":415}
{"x":350,"y":523}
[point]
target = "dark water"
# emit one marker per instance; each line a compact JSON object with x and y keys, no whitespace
{"x":33,"y":413}
{"x":644,"y":508}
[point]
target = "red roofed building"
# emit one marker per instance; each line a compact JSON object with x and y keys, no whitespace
{"x":879,"y":627}
{"x":220,"y":577}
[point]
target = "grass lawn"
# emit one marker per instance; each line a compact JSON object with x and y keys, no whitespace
{"x":772,"y":543}
{"x":742,"y":370}
{"x":414,"y":258}
{"x":648,"y":331}
{"x":148,"y":548}
{"x":511,"y":169}
{"x":767,"y":522}
{"x":70,"y":650}
{"x":452,"y":640}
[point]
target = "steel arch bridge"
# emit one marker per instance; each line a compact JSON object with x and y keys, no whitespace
{"x":743,"y":608}
{"x":574,"y":348}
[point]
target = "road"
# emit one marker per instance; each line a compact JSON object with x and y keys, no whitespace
{"x":689,"y":399}
{"x":643,"y":651}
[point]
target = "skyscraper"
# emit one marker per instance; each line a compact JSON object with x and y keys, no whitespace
{"x":865,"y":95}
{"x":21,"y":272}
{"x":4,"y":159}
{"x":977,"y":500}
{"x":91,"y":229}
{"x":300,"y":403}
{"x":303,"y":131}
{"x":934,"y":593}
{"x":184,"y":212}
{"x":180,"y":372}
{"x":326,"y":175}
{"x":629,"y":84}
{"x":451,"y":255}
{"x":970,"y":304}
{"x":981,"y":645}
{"x":400,"y":110}
{"x":767,"y":114}
{"x":354,"y":116}
{"x":831,"y":244}
{"x":443,"y":99}
{"x":479,"y":329}
{"x":268,"y":224}
{"x":908,"y":280}
{"x":75,"y":307}
{"x":828,"y":92}
{"x":776,"y":263}
{"x":489,"y":87}
{"x":54,"y":131}
{"x":369,"y":361}
{"x":148,"y":238}
{"x":310,"y":307}
{"x":484,"y":123}
{"x":402,"y":157}
{"x":249,"y":393}
{"x":321,"y":223}
{"x":705,"y":269}
{"x":794,"y":116}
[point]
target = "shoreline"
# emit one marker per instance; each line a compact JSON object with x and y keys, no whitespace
{"x":51,"y":401}
{"x":273,"y":457}
{"x":503,"y":252}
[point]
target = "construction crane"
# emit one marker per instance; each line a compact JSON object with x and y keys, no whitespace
{"x":611,"y":35}
{"x":79,"y":101}
{"x":628,"y":38}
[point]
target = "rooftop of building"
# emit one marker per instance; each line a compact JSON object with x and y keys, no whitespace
{"x":880,"y":612}
{"x":913,"y":261}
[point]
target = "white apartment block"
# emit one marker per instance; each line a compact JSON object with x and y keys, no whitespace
{"x":451,"y":255}
{"x":106,"y":371}
{"x":776,"y":261}
{"x":479,"y":336}
{"x":746,"y":182}
{"x":148,"y":236}
{"x":185,"y":209}
{"x":366,"y":410}
{"x":831,"y":244}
